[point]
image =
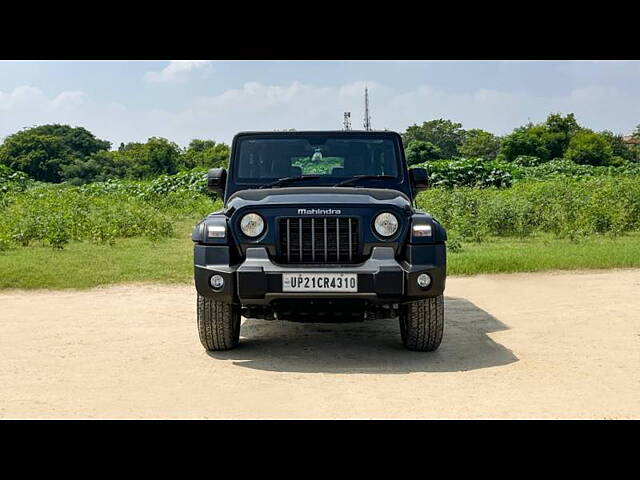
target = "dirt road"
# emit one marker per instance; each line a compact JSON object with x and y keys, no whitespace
{"x":559,"y":345}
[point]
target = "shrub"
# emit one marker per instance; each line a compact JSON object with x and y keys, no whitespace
{"x":589,"y":148}
{"x":11,"y":181}
{"x":205,"y":154}
{"x":419,"y":152}
{"x":100,"y":212}
{"x":546,"y":140}
{"x":566,"y":207}
{"x":471,"y":172}
{"x":44,"y":150}
{"x":567,"y":168}
{"x":527,"y":161}
{"x":478,"y":143}
{"x":444,"y":134}
{"x":192,"y":180}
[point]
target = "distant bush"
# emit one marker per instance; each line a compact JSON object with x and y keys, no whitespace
{"x":567,"y":168}
{"x":192,"y":180}
{"x":419,"y":151}
{"x":589,"y":148}
{"x":546,"y":141}
{"x":565,"y":207}
{"x":43,"y":151}
{"x":55,"y":216}
{"x":478,"y":143}
{"x":100,"y":212}
{"x":480,"y":173}
{"x":204,"y":154}
{"x":527,"y":161}
{"x":470,"y":172}
{"x":11,"y":181}
{"x":446,"y":135}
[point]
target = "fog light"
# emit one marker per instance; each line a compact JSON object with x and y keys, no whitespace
{"x":217,"y":282}
{"x":424,"y":280}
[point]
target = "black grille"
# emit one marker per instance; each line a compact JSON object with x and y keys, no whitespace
{"x":319,"y":240}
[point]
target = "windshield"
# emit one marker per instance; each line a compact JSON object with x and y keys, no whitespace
{"x":330,"y":159}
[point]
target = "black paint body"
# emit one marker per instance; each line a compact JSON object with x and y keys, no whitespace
{"x":387,"y":268}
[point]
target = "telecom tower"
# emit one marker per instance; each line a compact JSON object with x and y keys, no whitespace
{"x":347,"y":121}
{"x":367,"y":117}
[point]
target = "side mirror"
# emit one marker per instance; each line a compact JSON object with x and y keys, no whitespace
{"x":419,"y":179}
{"x":217,"y":180}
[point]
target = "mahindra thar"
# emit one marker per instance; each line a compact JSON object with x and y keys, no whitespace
{"x":319,"y":226}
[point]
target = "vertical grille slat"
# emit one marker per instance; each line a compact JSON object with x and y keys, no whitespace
{"x":300,"y":236}
{"x":313,"y":239}
{"x":350,"y":243}
{"x":288,"y":241}
{"x":326,"y":259}
{"x":305,"y":239}
{"x":338,"y":239}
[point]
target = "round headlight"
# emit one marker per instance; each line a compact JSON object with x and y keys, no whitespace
{"x":252,"y":225}
{"x":386,"y":224}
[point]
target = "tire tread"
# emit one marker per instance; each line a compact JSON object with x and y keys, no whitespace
{"x":422,"y":322}
{"x":218,"y":324}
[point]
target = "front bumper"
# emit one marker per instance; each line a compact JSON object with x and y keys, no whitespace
{"x":381,"y":278}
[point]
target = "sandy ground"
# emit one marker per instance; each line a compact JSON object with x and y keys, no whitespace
{"x":551,"y":345}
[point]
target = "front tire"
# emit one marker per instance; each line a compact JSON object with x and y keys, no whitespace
{"x":218,"y":324}
{"x":422,"y":324}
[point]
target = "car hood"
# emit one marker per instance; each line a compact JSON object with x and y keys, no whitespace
{"x":314,"y":197}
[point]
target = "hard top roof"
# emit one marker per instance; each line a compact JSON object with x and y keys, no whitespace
{"x":373,"y":133}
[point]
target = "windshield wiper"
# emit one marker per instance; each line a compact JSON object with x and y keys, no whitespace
{"x":284,"y":180}
{"x":357,"y":178}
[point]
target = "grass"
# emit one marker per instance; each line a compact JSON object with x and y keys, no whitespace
{"x":538,"y":253}
{"x":84,"y":264}
{"x":170,"y":260}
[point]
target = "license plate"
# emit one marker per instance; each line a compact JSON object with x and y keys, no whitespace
{"x":319,"y":282}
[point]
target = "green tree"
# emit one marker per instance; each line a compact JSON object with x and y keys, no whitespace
{"x":560,"y":131}
{"x":589,"y":148}
{"x":480,"y":144}
{"x":419,"y":152}
{"x":635,"y":148}
{"x":444,"y":134}
{"x":100,"y":166}
{"x":525,"y":141}
{"x":618,"y":147}
{"x":567,"y":125}
{"x":43,"y":151}
{"x":546,"y":140}
{"x":155,"y":157}
{"x":204,"y":153}
{"x":40,"y":156}
{"x":79,"y":141}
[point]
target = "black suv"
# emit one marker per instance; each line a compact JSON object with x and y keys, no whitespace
{"x":319,"y":226}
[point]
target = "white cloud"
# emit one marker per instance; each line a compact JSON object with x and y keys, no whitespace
{"x":177,"y":71}
{"x":27,"y":98}
{"x":22,"y":97}
{"x":256,"y":106}
{"x":27,"y":106}
{"x":71,"y":99}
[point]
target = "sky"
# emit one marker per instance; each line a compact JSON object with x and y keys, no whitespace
{"x":126,"y":101}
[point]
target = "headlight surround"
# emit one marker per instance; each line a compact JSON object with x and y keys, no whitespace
{"x":386,"y":224}
{"x":252,"y":225}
